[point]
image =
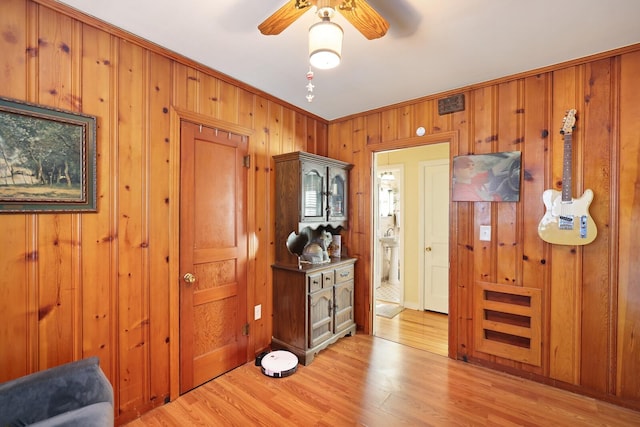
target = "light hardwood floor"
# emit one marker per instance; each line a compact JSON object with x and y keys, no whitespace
{"x":423,"y":330}
{"x":369,"y":381}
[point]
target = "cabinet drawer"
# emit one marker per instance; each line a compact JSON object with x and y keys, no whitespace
{"x":315,"y":282}
{"x":344,"y":274}
{"x":319,"y":281}
{"x":327,"y":279}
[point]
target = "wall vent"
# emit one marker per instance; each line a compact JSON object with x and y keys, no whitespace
{"x":508,"y":322}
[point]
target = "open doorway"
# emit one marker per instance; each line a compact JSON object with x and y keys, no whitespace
{"x":389,"y":237}
{"x":403,"y":225}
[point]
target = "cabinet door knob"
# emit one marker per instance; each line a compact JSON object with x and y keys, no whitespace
{"x":189,"y":278}
{"x":428,"y":249}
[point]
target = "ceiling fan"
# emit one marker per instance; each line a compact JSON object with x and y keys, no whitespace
{"x":358,"y":12}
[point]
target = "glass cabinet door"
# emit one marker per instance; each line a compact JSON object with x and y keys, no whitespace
{"x":337,"y":194}
{"x":313,"y":189}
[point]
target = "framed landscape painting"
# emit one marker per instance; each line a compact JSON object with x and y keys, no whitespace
{"x":47,"y":159}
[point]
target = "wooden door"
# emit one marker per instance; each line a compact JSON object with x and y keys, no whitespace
{"x":343,"y":299}
{"x":435,"y":212}
{"x":320,"y":316}
{"x":213,"y":254}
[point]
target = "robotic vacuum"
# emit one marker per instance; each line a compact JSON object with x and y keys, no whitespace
{"x":279,"y":364}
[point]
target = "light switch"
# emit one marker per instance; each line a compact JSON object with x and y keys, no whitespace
{"x":257,"y":312}
{"x":485,"y":232}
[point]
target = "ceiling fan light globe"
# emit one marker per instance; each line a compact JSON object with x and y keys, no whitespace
{"x":324,"y":59}
{"x":325,"y":44}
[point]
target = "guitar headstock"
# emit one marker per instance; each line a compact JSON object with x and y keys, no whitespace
{"x":568,"y":123}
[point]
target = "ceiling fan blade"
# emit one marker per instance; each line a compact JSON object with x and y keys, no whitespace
{"x":365,"y":18}
{"x":283,"y":17}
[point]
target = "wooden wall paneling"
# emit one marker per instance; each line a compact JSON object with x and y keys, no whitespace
{"x":359,"y":240}
{"x":405,"y":122}
{"x":509,"y":118}
{"x":484,"y":260}
{"x":16,"y":48}
{"x":343,"y":148}
{"x":193,"y":89}
{"x":251,"y":227}
{"x":246,"y":102}
{"x":346,"y":142}
{"x":76,"y":218}
{"x":535,"y":271}
{"x":227,"y":102}
{"x":208,"y":95}
{"x":159,"y":93}
{"x":48,"y":57}
{"x":264,"y":254}
{"x":278,"y":116}
{"x":614,"y":224}
{"x":422,"y":116}
{"x":373,"y":128}
{"x":321,"y":137}
{"x":628,"y":303}
{"x":301,"y":137}
{"x":18,"y":340}
{"x":565,"y":262}
{"x":461,"y":265}
{"x":439,"y":123}
{"x":506,"y":249}
{"x":311,"y":142}
{"x":336,"y":137}
{"x":57,"y":309}
{"x":54,"y":59}
{"x":597,"y":124}
{"x":180,"y":86}
{"x":389,"y":125}
{"x":61,"y":62}
{"x":537,"y":138}
{"x":288,"y":138}
{"x":462,"y":277}
{"x":342,"y":145}
{"x":483,"y":122}
{"x":99,"y":238}
{"x":32,"y":51}
{"x":133,"y":216}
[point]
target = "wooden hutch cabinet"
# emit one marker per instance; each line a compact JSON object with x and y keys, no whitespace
{"x":312,"y":303}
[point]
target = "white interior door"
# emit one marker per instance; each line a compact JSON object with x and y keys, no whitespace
{"x":435,"y":211}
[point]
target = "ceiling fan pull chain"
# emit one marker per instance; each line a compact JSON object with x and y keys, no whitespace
{"x":310,"y":85}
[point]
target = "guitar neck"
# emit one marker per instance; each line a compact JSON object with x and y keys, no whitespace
{"x":566,"y":168}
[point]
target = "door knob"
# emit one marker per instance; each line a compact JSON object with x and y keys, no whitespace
{"x":428,"y":249}
{"x":189,"y":278}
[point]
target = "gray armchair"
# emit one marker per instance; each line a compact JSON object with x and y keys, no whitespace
{"x":74,"y":394}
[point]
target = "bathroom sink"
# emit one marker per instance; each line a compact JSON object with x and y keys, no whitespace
{"x":389,"y":240}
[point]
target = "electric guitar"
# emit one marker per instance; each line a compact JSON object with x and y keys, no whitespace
{"x":567,"y":220}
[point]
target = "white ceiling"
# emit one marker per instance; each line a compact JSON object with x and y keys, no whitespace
{"x":432,"y":45}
